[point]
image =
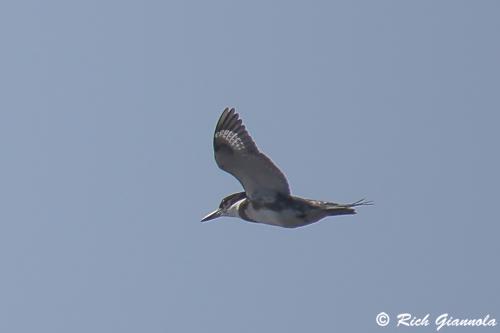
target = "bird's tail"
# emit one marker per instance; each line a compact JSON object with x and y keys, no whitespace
{"x":346,"y":209}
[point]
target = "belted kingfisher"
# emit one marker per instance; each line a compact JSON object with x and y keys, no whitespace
{"x":267,"y":197}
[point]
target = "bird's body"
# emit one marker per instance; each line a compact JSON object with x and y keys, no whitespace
{"x":267,"y":197}
{"x":286,"y":211}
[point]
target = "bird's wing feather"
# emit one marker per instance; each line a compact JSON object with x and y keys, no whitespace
{"x":236,"y":153}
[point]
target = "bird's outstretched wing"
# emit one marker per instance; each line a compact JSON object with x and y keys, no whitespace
{"x":236,"y":153}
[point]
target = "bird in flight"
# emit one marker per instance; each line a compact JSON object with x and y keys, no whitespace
{"x":267,"y":197}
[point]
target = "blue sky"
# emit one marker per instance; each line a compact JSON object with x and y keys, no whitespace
{"x":107,"y":115}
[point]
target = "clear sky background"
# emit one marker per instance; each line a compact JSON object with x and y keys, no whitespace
{"x":107,"y":112}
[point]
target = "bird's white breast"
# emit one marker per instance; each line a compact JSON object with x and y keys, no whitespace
{"x":273,"y":217}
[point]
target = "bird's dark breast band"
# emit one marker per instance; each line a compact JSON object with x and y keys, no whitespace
{"x":242,"y":211}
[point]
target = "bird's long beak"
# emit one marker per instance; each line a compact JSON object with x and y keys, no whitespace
{"x":213,"y":215}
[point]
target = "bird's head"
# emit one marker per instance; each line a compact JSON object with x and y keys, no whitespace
{"x":228,"y":207}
